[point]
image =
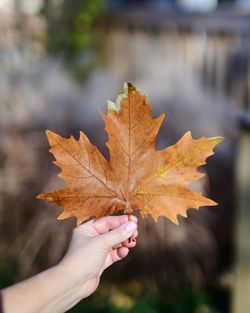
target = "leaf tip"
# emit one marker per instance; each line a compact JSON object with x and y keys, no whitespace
{"x":188,"y":134}
{"x":219,"y":139}
{"x":175,"y":220}
{"x":212,"y":203}
{"x":162,"y":117}
{"x":48,"y":133}
{"x":46,"y":196}
{"x":81,"y":134}
{"x":113,"y":106}
{"x":215,"y":141}
{"x":128,"y":86}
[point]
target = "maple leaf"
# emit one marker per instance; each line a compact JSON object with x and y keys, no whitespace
{"x":137,"y":176}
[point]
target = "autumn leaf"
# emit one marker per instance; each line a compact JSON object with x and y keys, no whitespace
{"x":137,"y":176}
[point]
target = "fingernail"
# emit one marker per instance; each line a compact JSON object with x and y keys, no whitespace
{"x":130,"y":227}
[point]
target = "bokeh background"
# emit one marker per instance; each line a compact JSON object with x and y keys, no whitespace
{"x":60,"y":60}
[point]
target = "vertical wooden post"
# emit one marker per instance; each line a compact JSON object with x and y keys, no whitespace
{"x":241,"y":292}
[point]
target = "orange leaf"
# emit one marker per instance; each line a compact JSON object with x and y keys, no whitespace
{"x":137,"y":175}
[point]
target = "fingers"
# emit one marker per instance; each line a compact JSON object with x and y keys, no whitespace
{"x":128,"y":243}
{"x":101,"y":225}
{"x":116,"y":255}
{"x":104,"y":224}
{"x":131,"y":242}
{"x":116,"y":236}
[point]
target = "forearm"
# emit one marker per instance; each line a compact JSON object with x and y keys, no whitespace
{"x":49,"y":291}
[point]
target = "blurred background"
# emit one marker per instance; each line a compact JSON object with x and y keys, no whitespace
{"x":60,"y":60}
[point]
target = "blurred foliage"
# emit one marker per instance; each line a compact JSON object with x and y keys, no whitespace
{"x":134,"y":299}
{"x":70,"y":32}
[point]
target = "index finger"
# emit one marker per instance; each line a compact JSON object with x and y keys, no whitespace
{"x":104,"y":224}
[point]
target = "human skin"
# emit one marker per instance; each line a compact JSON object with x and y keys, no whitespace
{"x":94,"y":246}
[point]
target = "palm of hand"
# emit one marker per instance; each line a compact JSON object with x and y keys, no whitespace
{"x":89,"y":253}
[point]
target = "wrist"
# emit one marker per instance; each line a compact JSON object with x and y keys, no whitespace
{"x":59,"y":290}
{"x":76,"y":278}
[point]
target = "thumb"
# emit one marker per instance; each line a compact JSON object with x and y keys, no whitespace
{"x":117,"y":235}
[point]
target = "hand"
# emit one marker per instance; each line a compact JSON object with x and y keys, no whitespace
{"x":96,"y":245}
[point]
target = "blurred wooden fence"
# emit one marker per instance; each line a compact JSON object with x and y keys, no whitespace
{"x":215,"y":47}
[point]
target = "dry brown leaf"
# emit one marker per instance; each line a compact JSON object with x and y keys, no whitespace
{"x":137,"y":176}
